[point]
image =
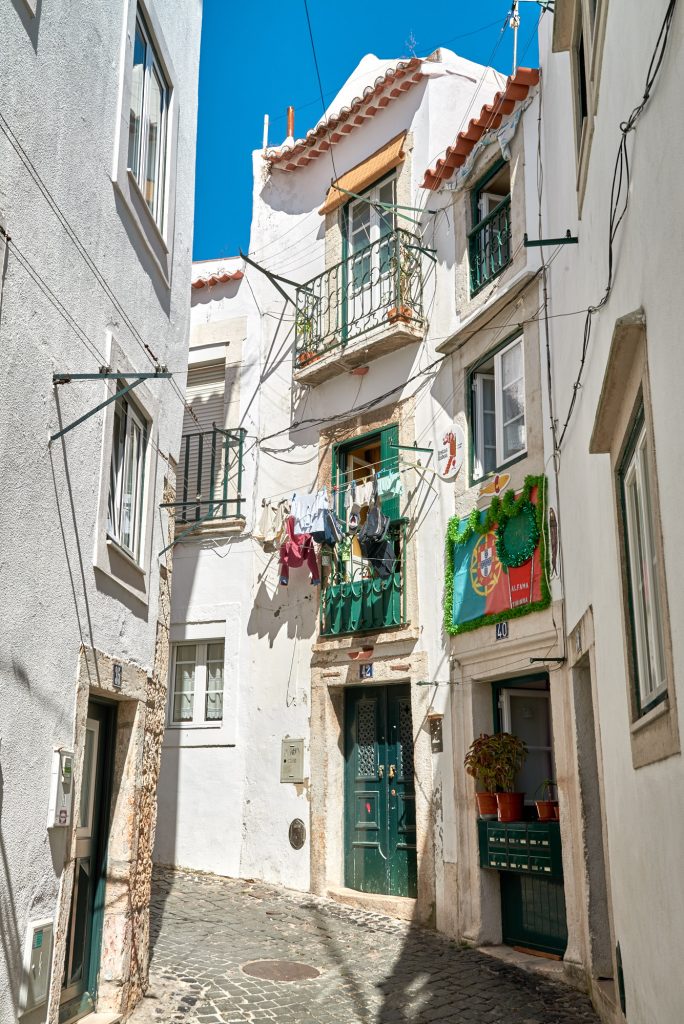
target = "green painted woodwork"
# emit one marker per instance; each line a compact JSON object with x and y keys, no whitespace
{"x":531,"y":847}
{"x":389,"y":461}
{"x":365,"y":604}
{"x":529,"y":859}
{"x":380,"y":813}
{"x":533,"y":913}
{"x":86,"y":925}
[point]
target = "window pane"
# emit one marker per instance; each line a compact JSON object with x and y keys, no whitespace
{"x":513,"y":401}
{"x":155,"y":127}
{"x":116,"y":472}
{"x":136,"y":108}
{"x":130,"y":500}
{"x":184,"y":683}
{"x":512,"y":365}
{"x":213,"y":705}
{"x":488,"y":424}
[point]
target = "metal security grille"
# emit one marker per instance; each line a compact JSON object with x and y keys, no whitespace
{"x":366,"y":729}
{"x":405,"y":739}
{"x":374,"y":286}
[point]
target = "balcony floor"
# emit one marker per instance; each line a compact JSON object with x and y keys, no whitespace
{"x":386,"y":338}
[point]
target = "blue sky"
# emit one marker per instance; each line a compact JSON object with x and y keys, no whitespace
{"x":256,"y":59}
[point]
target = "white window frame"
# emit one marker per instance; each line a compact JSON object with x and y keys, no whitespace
{"x":152,"y":66}
{"x":648,"y":632}
{"x":478,"y":411}
{"x":199,"y":720}
{"x":132,"y":419}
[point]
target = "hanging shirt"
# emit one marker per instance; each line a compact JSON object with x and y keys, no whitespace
{"x":389,"y":485}
{"x":296,"y":549}
{"x":269,"y":529}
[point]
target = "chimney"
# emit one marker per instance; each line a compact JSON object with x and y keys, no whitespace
{"x":290,"y":123}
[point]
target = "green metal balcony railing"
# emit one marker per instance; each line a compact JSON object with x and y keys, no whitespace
{"x":378,"y":285}
{"x":363,"y":602}
{"x":209,"y":480}
{"x":489,"y":246}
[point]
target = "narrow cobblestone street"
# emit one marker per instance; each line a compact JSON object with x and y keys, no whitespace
{"x":372,"y":968}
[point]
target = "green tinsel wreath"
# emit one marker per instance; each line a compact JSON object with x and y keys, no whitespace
{"x":515,"y":550}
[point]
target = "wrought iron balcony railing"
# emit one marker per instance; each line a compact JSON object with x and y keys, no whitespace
{"x":359,"y":600}
{"x":490,"y":246}
{"x":378,"y":285}
{"x":209,"y":480}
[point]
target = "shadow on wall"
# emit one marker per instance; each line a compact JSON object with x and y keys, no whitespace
{"x":294,"y":608}
{"x":30,"y":21}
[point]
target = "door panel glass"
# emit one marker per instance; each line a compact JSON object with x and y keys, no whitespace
{"x":87,"y":781}
{"x":81,"y":931}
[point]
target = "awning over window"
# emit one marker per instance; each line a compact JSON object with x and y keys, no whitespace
{"x":365,"y":173}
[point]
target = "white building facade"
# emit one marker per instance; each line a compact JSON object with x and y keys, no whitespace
{"x":97,"y":149}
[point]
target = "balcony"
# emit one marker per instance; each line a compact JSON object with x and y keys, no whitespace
{"x":210,"y":477}
{"x":369,"y":304}
{"x":362,"y":602}
{"x":489,"y":245}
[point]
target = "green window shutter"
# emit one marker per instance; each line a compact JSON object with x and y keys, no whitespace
{"x":389,"y":458}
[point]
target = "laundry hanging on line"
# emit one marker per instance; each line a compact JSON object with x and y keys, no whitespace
{"x":296,"y":549}
{"x":308,"y":511}
{"x":271,"y":525}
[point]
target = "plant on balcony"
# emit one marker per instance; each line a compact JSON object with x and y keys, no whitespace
{"x":547,"y":807}
{"x":304,"y":329}
{"x":510,"y":753}
{"x":402,"y":269}
{"x":480,"y":763}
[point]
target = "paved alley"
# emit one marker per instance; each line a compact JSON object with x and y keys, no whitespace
{"x":207,"y":931}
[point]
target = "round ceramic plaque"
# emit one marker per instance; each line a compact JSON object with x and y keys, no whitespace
{"x":297,"y":834}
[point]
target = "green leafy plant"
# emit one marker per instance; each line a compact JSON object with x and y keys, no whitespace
{"x":480,"y":763}
{"x":510,"y":753}
{"x":494,"y":761}
{"x":548,"y":787}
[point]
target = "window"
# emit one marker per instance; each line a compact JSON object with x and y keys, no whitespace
{"x":490,"y":238}
{"x":197,"y":691}
{"x":127,"y":478}
{"x":498,"y":408}
{"x":147,"y":129}
{"x":525,"y":711}
{"x":582,"y":90}
{"x":643,"y":571}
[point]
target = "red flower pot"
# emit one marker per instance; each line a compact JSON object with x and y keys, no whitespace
{"x":510,"y":806}
{"x":547,"y":810}
{"x":486,"y":805}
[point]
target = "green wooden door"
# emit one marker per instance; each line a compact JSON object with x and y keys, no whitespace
{"x":84,"y":930}
{"x":380,"y":807}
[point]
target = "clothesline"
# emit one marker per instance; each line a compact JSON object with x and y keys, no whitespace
{"x":290,"y":491}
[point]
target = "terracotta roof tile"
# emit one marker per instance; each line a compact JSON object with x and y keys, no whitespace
{"x":219,"y":278}
{"x":489,"y":117}
{"x":402,"y":77}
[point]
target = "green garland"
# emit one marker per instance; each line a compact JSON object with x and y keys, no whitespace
{"x":512,"y":559}
{"x":461,"y":530}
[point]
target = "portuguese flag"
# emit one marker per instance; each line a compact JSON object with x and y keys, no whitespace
{"x":495,"y":561}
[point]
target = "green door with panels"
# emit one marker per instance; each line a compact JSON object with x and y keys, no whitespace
{"x":380,"y":804}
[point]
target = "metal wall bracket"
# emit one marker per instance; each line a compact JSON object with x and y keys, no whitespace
{"x":104,"y":374}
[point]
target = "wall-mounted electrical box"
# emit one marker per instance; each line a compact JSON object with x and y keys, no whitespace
{"x":61,"y":788}
{"x":35,"y":976}
{"x":292,"y":761}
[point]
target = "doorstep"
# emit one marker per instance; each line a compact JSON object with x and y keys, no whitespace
{"x":401,"y":907}
{"x":527,"y":961}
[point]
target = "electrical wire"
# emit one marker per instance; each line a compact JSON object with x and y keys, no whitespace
{"x":320,"y":83}
{"x":619,"y":200}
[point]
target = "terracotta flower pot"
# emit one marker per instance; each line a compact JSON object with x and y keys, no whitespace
{"x":510,"y":806}
{"x":556,"y":810}
{"x":403,"y":313}
{"x":486,"y":805}
{"x":547,"y":810}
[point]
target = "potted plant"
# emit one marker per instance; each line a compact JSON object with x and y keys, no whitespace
{"x":509,"y":754}
{"x":547,"y":807}
{"x":402,"y":268}
{"x":304,"y":326}
{"x":479,"y":763}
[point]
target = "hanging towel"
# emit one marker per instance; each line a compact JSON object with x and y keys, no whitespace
{"x":296,"y":549}
{"x":269,"y":529}
{"x":308,"y":511}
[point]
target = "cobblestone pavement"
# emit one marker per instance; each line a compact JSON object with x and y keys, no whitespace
{"x":373,"y":968}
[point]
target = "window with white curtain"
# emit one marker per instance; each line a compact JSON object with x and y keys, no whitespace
{"x":127,"y":478}
{"x":197,"y":683}
{"x":147,"y":126}
{"x":644,"y":572}
{"x":498,"y":408}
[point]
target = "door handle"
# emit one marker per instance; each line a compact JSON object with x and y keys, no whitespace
{"x":381,"y":771}
{"x":392,"y":771}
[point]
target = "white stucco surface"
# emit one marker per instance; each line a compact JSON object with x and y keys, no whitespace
{"x":60,"y":81}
